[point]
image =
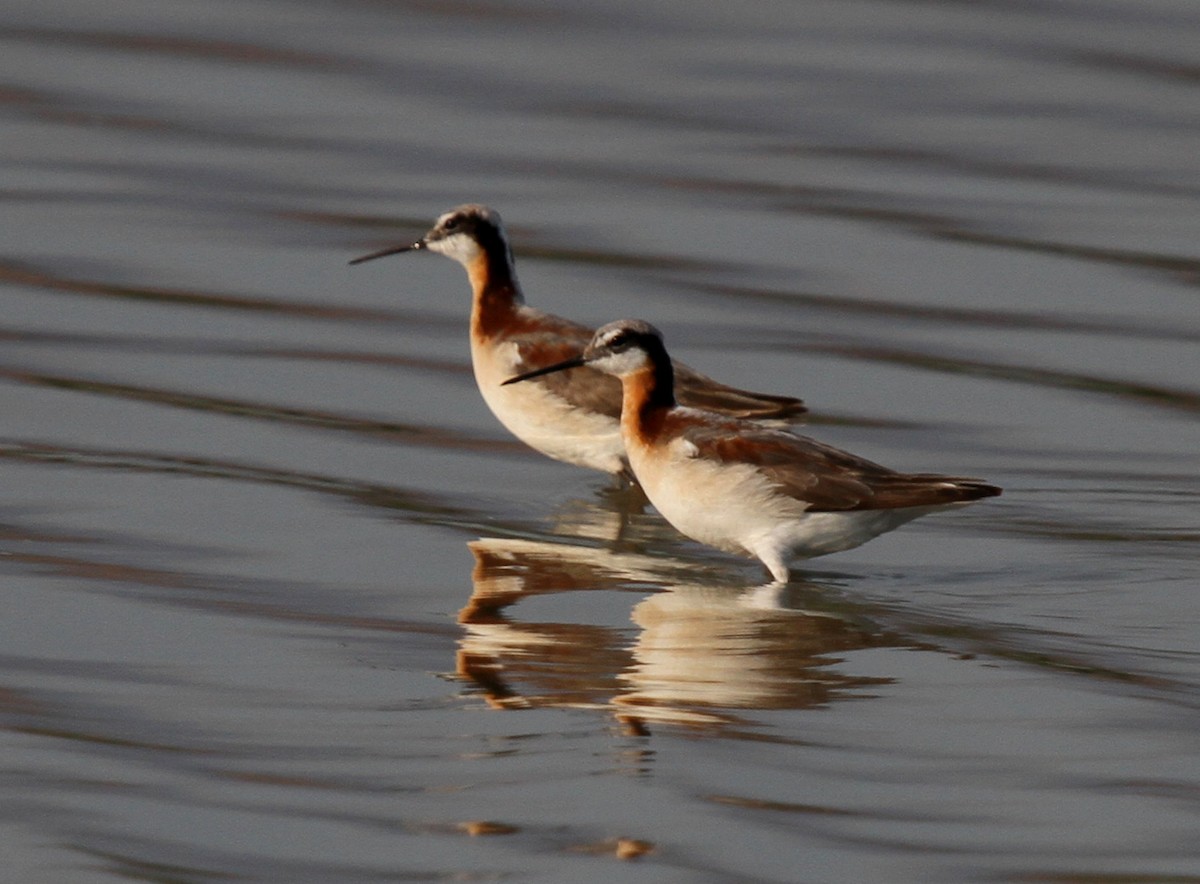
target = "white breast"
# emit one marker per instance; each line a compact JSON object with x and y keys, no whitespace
{"x":542,"y":420}
{"x":725,"y":506}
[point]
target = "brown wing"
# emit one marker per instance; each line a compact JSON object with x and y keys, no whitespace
{"x":543,"y":339}
{"x":696,"y":390}
{"x":827,"y":478}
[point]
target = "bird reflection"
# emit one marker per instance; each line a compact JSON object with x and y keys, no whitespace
{"x":697,"y":653}
{"x":618,"y":515}
{"x":557,"y":664}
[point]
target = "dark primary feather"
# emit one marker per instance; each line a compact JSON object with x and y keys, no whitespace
{"x":545,"y":339}
{"x":827,"y":478}
{"x":696,"y":390}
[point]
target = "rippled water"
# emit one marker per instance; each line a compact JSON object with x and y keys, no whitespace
{"x":283,"y":602}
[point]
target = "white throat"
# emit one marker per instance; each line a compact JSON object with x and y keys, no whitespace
{"x":623,"y":362}
{"x":459,"y":247}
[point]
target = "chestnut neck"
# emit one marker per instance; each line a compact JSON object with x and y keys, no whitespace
{"x":648,"y":394}
{"x":496,"y":292}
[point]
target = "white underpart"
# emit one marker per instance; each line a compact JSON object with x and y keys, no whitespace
{"x":735,"y":508}
{"x":544,"y":421}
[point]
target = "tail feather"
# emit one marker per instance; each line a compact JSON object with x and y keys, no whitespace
{"x":929,"y":489}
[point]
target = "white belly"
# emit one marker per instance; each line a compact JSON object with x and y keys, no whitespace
{"x":726,"y":507}
{"x":547,"y":422}
{"x":734,"y":508}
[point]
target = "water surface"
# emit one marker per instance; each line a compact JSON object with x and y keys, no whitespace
{"x":283,"y":602}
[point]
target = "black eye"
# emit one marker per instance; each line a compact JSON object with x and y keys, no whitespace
{"x":452,"y":224}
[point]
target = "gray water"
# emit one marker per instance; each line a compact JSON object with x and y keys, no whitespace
{"x":282,"y":601}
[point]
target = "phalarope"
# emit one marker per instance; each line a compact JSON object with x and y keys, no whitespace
{"x":574,"y":419}
{"x":742,"y":487}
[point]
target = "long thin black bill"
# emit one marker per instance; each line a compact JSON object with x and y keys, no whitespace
{"x":390,"y":250}
{"x":549,"y":369}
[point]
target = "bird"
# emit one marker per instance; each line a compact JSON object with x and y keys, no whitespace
{"x":742,"y":487}
{"x":572,"y":419}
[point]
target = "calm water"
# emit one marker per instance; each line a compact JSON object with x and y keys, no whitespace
{"x":281,"y":600}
